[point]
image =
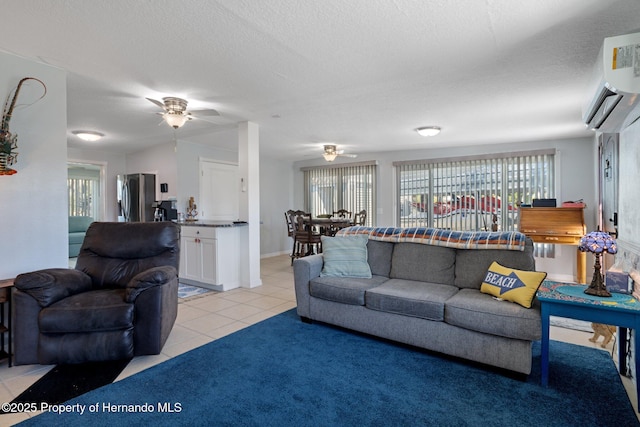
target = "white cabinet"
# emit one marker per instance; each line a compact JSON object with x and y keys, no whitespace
{"x":210,"y":257}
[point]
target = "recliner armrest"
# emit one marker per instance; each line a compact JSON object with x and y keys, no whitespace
{"x":156,"y":276}
{"x":53,"y":284}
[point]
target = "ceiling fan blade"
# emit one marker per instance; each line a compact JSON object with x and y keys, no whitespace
{"x":158,"y":103}
{"x":348,"y":155}
{"x":208,"y":112}
{"x":211,"y":119}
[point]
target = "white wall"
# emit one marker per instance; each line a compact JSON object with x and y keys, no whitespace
{"x":33,"y":213}
{"x":629,"y":213}
{"x":114,"y":165}
{"x":629,"y":173}
{"x":161,"y":161}
{"x":576,"y":180}
{"x":276,"y":197}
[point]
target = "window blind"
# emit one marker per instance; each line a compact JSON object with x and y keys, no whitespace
{"x":350,"y":186}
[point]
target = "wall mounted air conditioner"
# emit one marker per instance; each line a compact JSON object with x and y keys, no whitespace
{"x":613,"y":101}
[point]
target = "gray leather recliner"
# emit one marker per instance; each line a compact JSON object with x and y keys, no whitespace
{"x":120,"y":301}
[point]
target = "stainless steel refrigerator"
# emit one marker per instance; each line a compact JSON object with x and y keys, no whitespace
{"x":136,"y":195}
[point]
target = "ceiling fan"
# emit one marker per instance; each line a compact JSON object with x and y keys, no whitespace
{"x":175,"y":111}
{"x":331,"y":152}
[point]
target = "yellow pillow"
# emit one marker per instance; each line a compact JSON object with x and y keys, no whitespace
{"x":512,"y":285}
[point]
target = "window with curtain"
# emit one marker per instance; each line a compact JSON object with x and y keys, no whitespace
{"x":473,"y":193}
{"x":348,"y":186}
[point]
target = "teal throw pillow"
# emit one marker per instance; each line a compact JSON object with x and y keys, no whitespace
{"x":345,"y":256}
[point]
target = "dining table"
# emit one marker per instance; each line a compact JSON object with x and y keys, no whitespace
{"x":329,"y":226}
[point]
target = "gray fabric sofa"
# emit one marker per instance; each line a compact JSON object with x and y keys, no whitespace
{"x":427,"y":296}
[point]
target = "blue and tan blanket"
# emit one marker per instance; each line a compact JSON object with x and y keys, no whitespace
{"x":509,"y":240}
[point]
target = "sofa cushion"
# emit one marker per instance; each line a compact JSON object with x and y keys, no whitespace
{"x":410,"y":298}
{"x":379,"y":257}
{"x":346,"y":290}
{"x":471,"y":309}
{"x":512,"y":285}
{"x":415,"y":261}
{"x":79,"y":223}
{"x":76,"y":238}
{"x":101,"y":310}
{"x":345,"y":256}
{"x":472,"y":264}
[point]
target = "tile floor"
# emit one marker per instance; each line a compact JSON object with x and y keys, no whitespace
{"x":208,"y":317}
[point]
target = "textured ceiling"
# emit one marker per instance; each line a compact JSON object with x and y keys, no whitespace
{"x":359,"y":73}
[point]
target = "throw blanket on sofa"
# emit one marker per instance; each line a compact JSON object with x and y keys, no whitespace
{"x":509,"y":240}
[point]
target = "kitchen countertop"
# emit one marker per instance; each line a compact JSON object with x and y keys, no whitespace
{"x":210,"y":223}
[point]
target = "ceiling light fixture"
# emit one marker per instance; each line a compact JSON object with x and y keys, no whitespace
{"x":330,"y":157}
{"x":175,"y":119}
{"x":88,"y":135}
{"x":429,"y":130}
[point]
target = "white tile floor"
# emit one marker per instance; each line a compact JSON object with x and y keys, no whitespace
{"x":213,"y":315}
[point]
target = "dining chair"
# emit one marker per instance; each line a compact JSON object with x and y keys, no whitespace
{"x":291,"y":219}
{"x":360,"y":218}
{"x":287,"y":218}
{"x":306,"y":241}
{"x":342,"y":213}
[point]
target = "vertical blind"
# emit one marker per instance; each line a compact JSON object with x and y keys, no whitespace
{"x":84,"y":194}
{"x":350,"y":186}
{"x":474,"y":193}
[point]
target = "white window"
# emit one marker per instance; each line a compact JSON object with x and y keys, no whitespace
{"x":473,"y":193}
{"x":348,"y":186}
{"x":83,"y":186}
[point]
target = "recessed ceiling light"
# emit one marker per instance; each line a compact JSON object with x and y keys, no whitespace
{"x":88,"y":135}
{"x":429,"y":130}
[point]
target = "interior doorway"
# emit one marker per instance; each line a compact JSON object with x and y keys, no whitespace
{"x":608,"y":212}
{"x":86,"y":189}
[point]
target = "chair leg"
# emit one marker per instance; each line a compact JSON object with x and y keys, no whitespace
{"x":295,"y":250}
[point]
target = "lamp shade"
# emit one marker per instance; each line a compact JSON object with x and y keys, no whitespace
{"x":330,"y":157}
{"x":598,"y":242}
{"x":175,"y":120}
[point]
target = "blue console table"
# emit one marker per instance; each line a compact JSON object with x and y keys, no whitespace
{"x":569,"y":300}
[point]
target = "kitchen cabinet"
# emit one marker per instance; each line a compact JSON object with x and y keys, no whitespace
{"x":210,"y":256}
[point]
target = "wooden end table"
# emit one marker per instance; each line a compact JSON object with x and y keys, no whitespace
{"x":569,"y":300}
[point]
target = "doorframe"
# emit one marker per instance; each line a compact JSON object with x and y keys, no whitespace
{"x":103,"y":183}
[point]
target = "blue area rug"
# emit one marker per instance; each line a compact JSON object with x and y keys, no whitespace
{"x":282,"y":372}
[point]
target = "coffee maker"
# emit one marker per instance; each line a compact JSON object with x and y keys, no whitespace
{"x":164,"y":211}
{"x":169,"y":209}
{"x":159,"y":213}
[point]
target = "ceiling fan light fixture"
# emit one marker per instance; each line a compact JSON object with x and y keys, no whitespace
{"x":88,"y":135}
{"x":175,"y":120}
{"x":330,"y":157}
{"x":429,"y":130}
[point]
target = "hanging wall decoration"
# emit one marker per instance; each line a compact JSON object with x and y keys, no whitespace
{"x":8,"y":140}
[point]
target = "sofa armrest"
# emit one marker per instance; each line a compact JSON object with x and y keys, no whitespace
{"x":304,"y":270}
{"x":53,"y":284}
{"x":156,"y":276}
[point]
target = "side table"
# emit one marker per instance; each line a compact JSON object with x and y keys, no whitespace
{"x":569,"y":300}
{"x":5,"y":300}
